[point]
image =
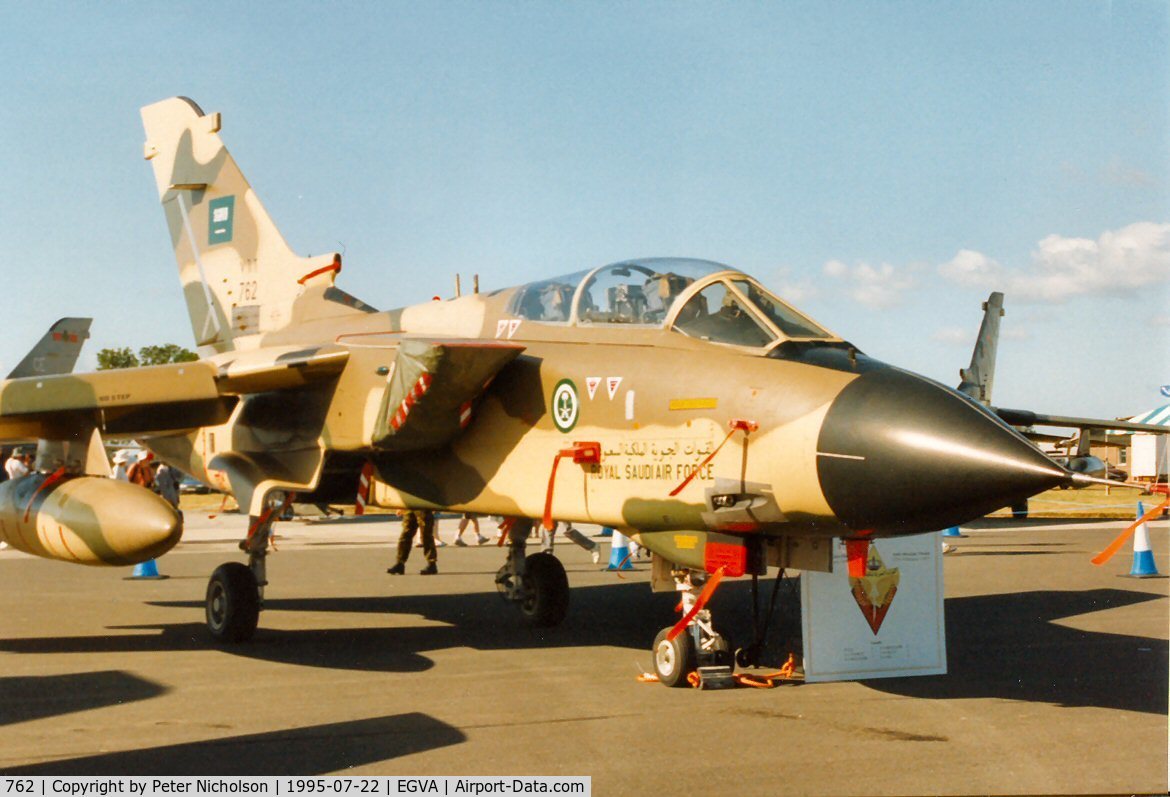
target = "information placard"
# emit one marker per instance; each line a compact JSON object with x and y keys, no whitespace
{"x":886,"y":624}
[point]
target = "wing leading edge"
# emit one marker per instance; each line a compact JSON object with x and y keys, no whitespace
{"x":158,"y":398}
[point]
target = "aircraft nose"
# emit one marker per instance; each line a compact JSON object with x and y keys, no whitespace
{"x":900,"y":453}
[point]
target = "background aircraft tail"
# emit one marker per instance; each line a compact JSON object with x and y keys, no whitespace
{"x":979,"y":377}
{"x":240,"y":278}
{"x":57,"y":351}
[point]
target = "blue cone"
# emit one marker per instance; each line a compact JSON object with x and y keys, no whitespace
{"x":619,"y":553}
{"x":147,"y":569}
{"x":953,"y":531}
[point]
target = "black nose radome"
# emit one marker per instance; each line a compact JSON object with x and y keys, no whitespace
{"x":898,"y":453}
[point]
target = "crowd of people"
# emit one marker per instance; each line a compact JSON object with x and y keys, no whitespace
{"x":139,"y":468}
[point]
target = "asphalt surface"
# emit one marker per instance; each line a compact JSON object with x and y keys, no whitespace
{"x":1057,"y":684}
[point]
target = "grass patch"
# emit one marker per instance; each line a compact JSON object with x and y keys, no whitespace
{"x":1092,"y":502}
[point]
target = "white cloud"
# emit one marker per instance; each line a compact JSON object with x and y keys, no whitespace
{"x":1117,"y":172}
{"x":795,"y":289}
{"x":973,"y":269}
{"x":1119,"y":263}
{"x":954,"y":336}
{"x":874,"y":286}
{"x":835,"y":268}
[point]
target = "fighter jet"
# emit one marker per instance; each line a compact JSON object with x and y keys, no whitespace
{"x":978,"y":379}
{"x":678,"y":400}
{"x":57,"y":351}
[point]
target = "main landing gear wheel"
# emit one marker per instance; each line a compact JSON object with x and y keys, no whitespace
{"x":674,"y":660}
{"x":546,"y":588}
{"x":233,"y":603}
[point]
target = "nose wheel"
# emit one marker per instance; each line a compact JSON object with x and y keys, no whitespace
{"x":674,"y":659}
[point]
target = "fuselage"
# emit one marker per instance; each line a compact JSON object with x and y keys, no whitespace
{"x":829,"y":442}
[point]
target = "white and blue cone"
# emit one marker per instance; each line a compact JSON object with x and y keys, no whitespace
{"x":1143,"y":557}
{"x":619,"y":552}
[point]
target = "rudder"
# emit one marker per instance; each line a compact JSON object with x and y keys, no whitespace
{"x":240,"y":278}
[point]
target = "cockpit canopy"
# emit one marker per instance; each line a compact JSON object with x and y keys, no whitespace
{"x":697,"y":298}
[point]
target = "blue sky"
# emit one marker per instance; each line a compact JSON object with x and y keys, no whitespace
{"x":883,"y":165}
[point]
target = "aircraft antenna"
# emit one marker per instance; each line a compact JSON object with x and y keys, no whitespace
{"x":458,"y":291}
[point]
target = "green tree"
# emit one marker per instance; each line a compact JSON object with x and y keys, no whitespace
{"x":147,"y":355}
{"x":116,"y":358}
{"x":166,"y":353}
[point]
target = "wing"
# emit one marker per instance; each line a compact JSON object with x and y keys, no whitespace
{"x":160,"y":398}
{"x":1029,"y":418}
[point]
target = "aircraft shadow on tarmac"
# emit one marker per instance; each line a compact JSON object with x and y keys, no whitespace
{"x":32,"y":697}
{"x":1009,"y":647}
{"x":315,"y":750}
{"x":1000,"y":646}
{"x":619,"y":615}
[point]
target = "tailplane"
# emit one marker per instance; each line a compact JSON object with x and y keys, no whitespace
{"x":240,"y":278}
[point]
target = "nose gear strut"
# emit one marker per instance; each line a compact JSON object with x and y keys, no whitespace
{"x":693,"y":653}
{"x":693,"y":644}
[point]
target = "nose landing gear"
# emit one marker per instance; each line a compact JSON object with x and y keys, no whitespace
{"x":693,"y":653}
{"x":693,"y":646}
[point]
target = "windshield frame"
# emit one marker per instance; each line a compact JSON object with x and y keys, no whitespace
{"x":729,"y":277}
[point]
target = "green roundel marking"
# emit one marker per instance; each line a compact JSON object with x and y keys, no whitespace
{"x":566,"y":407}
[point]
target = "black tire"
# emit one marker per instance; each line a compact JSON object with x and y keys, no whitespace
{"x":232,"y":603}
{"x":1020,"y":509}
{"x":673,"y":661}
{"x":547,"y":591}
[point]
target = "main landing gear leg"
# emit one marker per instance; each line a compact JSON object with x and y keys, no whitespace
{"x":235,"y":592}
{"x":536,"y":583}
{"x":681,"y":649}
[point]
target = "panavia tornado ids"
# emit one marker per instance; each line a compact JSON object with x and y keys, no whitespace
{"x":676,"y":400}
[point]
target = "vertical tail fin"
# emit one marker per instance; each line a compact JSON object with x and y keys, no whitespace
{"x":57,"y":351}
{"x":240,"y":278}
{"x":979,"y":377}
